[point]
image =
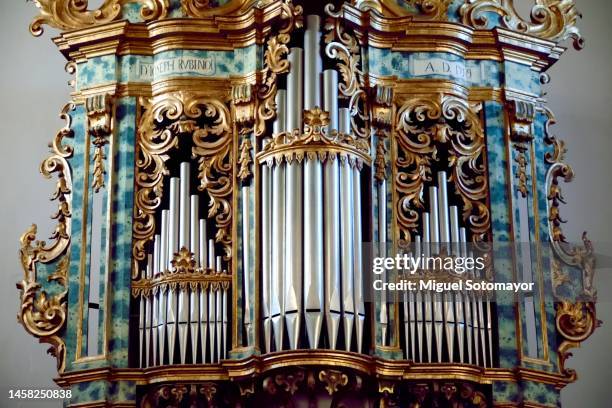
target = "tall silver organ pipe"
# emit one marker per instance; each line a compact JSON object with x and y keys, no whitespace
{"x":266,"y":253}
{"x":312,"y":62}
{"x":295,"y":90}
{"x":183,"y":324}
{"x":456,"y":326}
{"x":277,"y":308}
{"x":281,"y":111}
{"x":310,"y":213}
{"x":313,"y":250}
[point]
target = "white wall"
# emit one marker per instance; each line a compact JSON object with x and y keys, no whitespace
{"x":33,"y":86}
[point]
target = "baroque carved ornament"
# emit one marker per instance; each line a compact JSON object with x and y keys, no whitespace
{"x":43,"y":315}
{"x":166,"y":119}
{"x":423,"y":126}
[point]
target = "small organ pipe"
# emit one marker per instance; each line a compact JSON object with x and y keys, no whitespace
{"x":211,"y":323}
{"x":280,"y":121}
{"x":203,"y":253}
{"x":294,"y":244}
{"x":312,"y":62}
{"x":194,"y":316}
{"x":246,"y":258}
{"x":295,"y":90}
{"x":211,"y":254}
{"x":454,"y":229}
{"x":171,"y":320}
{"x":443,"y":211}
{"x":163,"y":253}
{"x":330,"y":101}
{"x":218,"y":264}
{"x":434,"y":226}
{"x":224,"y":301}
{"x":194,"y":229}
{"x":173,"y":220}
{"x":426,"y":240}
{"x":161,"y":327}
{"x":184,"y":207}
{"x":344,"y":120}
{"x":357,"y":247}
{"x":183,"y":321}
{"x":332,"y":250}
{"x":382,"y":236}
{"x":266,"y":253}
{"x":347,"y":246}
{"x":148,"y":306}
{"x":203,"y":320}
{"x":219,"y":321}
{"x":313,"y":250}
{"x":277,"y":308}
{"x":156,"y":254}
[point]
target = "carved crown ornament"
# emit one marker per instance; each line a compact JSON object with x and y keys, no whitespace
{"x":315,"y":141}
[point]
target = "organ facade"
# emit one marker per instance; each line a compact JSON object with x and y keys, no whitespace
{"x":228,"y":169}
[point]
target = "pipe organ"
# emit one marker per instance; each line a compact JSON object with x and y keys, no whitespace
{"x":230,"y":173}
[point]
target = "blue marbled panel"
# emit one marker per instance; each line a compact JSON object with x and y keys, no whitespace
{"x":121,"y":234}
{"x":543,"y":394}
{"x":433,"y":65}
{"x":96,"y":71}
{"x":521,"y":78}
{"x":497,"y":165}
{"x":78,"y":187}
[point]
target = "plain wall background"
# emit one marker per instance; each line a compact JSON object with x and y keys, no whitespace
{"x":33,"y":86}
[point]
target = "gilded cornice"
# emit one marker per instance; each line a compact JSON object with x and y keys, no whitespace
{"x":217,"y":32}
{"x":258,"y":366}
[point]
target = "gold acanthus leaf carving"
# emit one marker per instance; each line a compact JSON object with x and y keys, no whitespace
{"x":206,"y":119}
{"x":420,"y":9}
{"x":245,"y":160}
{"x":275,"y":63}
{"x":75,"y":14}
{"x":581,"y":257}
{"x":553,"y":20}
{"x":380,"y":162}
{"x":100,"y":126}
{"x":344,"y":47}
{"x":207,"y":8}
{"x":575,"y":322}
{"x":41,"y":314}
{"x":423,"y":125}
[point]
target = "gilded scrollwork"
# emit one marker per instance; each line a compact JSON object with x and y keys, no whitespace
{"x":344,"y":47}
{"x":75,"y":14}
{"x":275,"y":63}
{"x":553,"y":20}
{"x":575,"y":323}
{"x":423,"y":125}
{"x":421,"y":9}
{"x":41,"y":314}
{"x":206,"y":119}
{"x":581,"y":257}
{"x":207,"y":8}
